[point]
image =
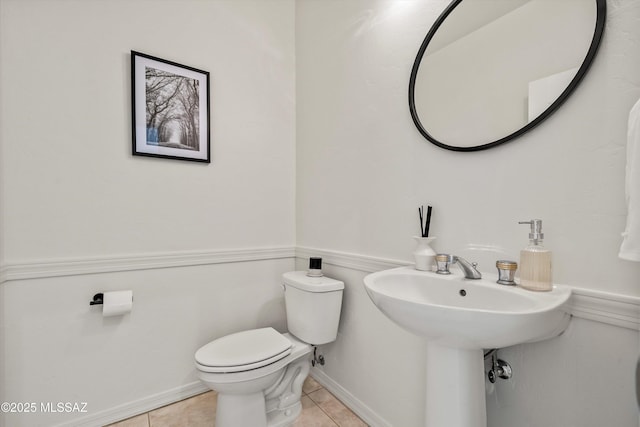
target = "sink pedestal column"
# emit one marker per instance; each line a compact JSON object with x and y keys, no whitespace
{"x":455,"y":387}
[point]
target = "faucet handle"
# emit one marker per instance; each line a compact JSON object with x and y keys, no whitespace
{"x":443,"y":261}
{"x":506,"y":272}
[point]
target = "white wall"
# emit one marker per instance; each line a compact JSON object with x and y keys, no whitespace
{"x":71,"y":187}
{"x":363,"y":169}
{"x":352,"y":79}
{"x":80,"y":214}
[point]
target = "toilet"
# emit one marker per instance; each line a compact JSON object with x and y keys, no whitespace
{"x":258,"y":373}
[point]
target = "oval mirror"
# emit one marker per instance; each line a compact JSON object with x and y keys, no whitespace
{"x":490,"y":70}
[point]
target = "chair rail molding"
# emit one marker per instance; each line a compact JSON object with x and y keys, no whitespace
{"x":39,"y":269}
{"x":614,"y":309}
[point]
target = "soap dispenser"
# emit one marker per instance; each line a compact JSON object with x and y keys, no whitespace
{"x":535,"y":260}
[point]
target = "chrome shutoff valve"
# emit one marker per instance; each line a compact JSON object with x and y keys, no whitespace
{"x":499,"y":369}
{"x":317,"y":359}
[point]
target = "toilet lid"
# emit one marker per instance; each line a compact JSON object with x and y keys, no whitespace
{"x":244,"y":350}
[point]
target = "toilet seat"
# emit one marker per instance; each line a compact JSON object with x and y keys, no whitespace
{"x":243,"y":351}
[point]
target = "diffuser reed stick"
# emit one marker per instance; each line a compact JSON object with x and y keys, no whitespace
{"x":425,"y":223}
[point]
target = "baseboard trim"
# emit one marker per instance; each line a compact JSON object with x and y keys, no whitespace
{"x":109,"y":264}
{"x":137,"y":407}
{"x":365,"y":413}
{"x":177,"y":394}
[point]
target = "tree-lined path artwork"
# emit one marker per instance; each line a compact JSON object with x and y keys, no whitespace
{"x":172,"y":110}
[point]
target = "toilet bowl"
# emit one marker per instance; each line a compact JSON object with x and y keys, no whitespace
{"x":261,"y":392}
{"x":259,"y":373}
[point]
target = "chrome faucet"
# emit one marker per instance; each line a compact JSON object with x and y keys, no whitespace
{"x":469,"y":269}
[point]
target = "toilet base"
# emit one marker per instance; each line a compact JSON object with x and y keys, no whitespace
{"x":283,"y":399}
{"x":277,"y":406}
{"x":284,"y":418}
{"x":240,"y":410}
{"x":253,"y":399}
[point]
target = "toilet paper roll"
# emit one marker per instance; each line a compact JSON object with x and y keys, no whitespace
{"x":117,"y":303}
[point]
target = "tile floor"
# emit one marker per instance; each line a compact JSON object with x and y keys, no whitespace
{"x":319,"y":409}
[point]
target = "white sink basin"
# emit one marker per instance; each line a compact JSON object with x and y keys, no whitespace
{"x":472,"y":314}
{"x":459,"y":318}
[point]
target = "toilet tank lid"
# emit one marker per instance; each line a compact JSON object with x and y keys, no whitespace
{"x":244,"y":348}
{"x":300,"y":280}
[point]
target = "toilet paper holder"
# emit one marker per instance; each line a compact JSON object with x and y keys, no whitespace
{"x":113,"y":303}
{"x":97,"y":299}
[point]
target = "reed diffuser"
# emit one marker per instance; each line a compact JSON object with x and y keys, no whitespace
{"x":425,"y":223}
{"x":424,"y":254}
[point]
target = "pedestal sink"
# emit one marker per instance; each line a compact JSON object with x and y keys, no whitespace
{"x":459,"y":318}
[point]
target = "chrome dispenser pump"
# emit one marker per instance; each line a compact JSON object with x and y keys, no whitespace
{"x":536,"y":233}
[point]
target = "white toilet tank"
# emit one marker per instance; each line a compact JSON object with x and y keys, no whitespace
{"x":313,"y":306}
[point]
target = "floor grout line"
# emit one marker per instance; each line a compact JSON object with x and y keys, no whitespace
{"x":328,"y":415}
{"x":335,"y":423}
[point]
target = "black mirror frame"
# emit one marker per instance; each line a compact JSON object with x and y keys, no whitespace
{"x":601,"y":6}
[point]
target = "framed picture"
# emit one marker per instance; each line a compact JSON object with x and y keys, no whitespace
{"x":170,"y":109}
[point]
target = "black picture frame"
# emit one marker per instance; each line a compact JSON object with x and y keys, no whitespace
{"x":169,"y":109}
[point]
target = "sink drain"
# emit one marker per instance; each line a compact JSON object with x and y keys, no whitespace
{"x":462,"y":292}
